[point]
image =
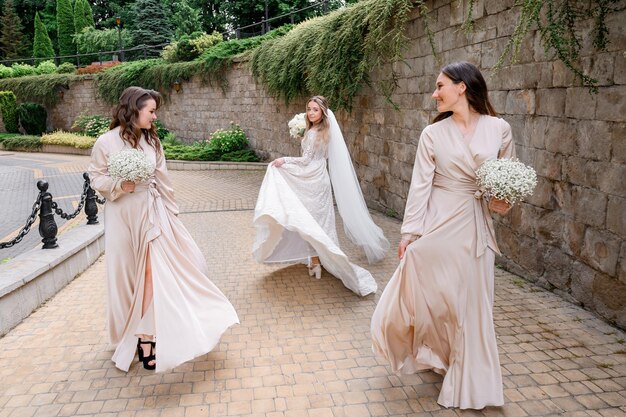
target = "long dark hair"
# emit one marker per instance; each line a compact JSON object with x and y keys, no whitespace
{"x":475,"y":87}
{"x":125,"y":115}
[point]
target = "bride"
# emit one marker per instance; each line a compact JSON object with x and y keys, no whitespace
{"x":294,"y":215}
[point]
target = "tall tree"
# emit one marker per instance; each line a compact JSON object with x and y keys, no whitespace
{"x":42,"y":45}
{"x":151,"y":26}
{"x":13,"y":43}
{"x":83,"y":17}
{"x":186,"y":19}
{"x":65,"y":27}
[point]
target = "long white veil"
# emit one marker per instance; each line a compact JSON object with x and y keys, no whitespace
{"x":357,"y":222}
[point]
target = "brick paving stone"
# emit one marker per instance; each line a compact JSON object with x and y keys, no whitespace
{"x":303,"y":346}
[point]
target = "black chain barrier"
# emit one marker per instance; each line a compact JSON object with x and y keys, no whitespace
{"x":47,"y":207}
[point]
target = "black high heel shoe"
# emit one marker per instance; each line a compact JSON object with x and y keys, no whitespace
{"x":147,"y":359}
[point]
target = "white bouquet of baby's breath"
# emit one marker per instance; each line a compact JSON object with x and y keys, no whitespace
{"x":506,"y":179}
{"x":297,"y":125}
{"x":130,"y":165}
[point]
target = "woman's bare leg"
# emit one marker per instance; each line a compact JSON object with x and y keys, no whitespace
{"x":148,"y":293}
{"x":147,"y":290}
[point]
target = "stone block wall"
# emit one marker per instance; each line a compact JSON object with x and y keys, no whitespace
{"x":569,"y":237}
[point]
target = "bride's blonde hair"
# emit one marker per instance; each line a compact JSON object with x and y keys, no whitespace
{"x":324,"y":125}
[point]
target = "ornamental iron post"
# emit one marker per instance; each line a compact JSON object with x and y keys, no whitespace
{"x":91,"y":204}
{"x":47,"y":226}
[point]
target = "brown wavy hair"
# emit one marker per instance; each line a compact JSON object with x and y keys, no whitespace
{"x":475,"y":87}
{"x":324,"y":124}
{"x":125,"y":115}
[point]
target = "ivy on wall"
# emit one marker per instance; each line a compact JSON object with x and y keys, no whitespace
{"x":334,"y":54}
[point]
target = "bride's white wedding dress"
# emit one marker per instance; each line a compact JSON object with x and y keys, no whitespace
{"x":295,"y":218}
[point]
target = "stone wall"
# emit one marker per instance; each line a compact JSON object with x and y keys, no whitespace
{"x":568,"y":237}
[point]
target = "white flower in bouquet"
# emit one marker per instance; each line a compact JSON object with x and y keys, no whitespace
{"x":506,"y":179}
{"x":297,"y":125}
{"x":130,"y":165}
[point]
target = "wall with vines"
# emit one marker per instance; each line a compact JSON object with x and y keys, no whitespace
{"x":561,"y":83}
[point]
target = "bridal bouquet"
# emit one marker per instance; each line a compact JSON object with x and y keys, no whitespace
{"x":297,"y":125}
{"x":506,"y":179}
{"x":130,"y":165}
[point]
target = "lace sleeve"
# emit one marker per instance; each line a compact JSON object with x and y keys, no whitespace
{"x":307,"y":154}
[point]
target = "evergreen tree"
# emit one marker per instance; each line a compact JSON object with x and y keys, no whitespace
{"x":83,"y":16}
{"x":151,"y":26}
{"x":186,"y":20}
{"x":13,"y":43}
{"x":42,"y":45}
{"x":65,"y":28}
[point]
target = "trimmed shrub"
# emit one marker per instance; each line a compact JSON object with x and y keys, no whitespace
{"x":20,"y":70}
{"x":32,"y":118}
{"x":225,"y":141}
{"x":66,"y":68}
{"x":68,"y":139}
{"x":46,"y":67}
{"x":91,"y":125}
{"x":243,"y":155}
{"x":14,"y":141}
{"x":8,"y":107}
{"x":96,"y":67}
{"x":190,"y":47}
{"x":6,"y":72}
{"x":42,"y":45}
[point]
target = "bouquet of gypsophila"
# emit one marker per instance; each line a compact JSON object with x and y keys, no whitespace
{"x":130,"y":165}
{"x":506,"y":179}
{"x":297,"y":126}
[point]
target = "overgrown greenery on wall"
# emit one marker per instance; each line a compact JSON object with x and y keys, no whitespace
{"x":159,"y":75}
{"x":334,"y":54}
{"x":43,"y":89}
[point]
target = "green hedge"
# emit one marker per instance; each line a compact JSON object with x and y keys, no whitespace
{"x":12,"y":141}
{"x":8,"y":107}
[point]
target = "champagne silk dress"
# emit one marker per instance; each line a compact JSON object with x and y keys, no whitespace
{"x":436,"y":312}
{"x":188,"y":313}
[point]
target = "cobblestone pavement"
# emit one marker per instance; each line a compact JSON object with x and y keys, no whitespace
{"x":303,"y":346}
{"x":19,"y":173}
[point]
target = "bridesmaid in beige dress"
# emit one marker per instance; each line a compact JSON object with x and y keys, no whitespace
{"x":157,"y":278}
{"x":436,"y":312}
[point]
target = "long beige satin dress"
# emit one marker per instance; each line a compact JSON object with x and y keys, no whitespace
{"x":436,"y":312}
{"x":188,"y":313}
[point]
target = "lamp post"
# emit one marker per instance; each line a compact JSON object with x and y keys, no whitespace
{"x":118,"y":24}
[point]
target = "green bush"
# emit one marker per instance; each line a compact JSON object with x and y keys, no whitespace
{"x":6,"y":72}
{"x":32,"y":117}
{"x":243,"y":155}
{"x":162,"y":131}
{"x":12,"y":141}
{"x":197,"y":151}
{"x":91,"y":125}
{"x":230,"y":140}
{"x":190,"y":47}
{"x":66,"y":68}
{"x":20,"y":70}
{"x":8,"y":107}
{"x":46,"y":67}
{"x":68,"y":139}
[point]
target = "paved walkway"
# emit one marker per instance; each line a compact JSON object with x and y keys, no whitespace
{"x":303,"y":346}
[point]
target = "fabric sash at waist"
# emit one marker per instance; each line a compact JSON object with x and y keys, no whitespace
{"x":482,"y":218}
{"x":154,"y":199}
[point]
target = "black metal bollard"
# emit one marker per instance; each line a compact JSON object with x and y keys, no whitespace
{"x":91,"y":205}
{"x":47,"y":226}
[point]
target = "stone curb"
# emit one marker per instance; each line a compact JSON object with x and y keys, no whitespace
{"x":31,"y":278}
